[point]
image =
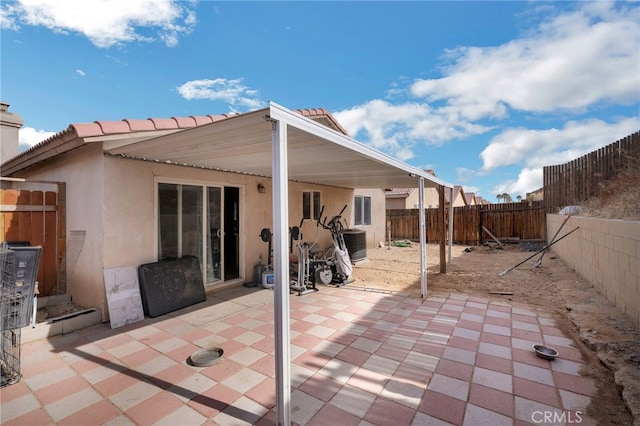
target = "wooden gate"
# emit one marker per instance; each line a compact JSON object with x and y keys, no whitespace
{"x":38,"y":218}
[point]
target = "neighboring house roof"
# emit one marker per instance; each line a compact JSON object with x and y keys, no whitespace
{"x":403,"y":192}
{"x":323,"y":116}
{"x":457,"y":192}
{"x":399,"y":192}
{"x":470,"y":197}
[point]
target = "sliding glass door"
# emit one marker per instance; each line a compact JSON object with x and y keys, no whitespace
{"x":200,"y":221}
{"x":214,"y":235}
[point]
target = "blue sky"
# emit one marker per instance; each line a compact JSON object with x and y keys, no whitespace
{"x":484,"y":93}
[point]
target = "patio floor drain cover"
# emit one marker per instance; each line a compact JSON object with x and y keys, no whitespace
{"x":205,"y":357}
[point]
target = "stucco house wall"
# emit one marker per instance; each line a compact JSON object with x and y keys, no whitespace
{"x":376,"y":231}
{"x":83,"y":171}
{"x":459,"y":201}
{"x":130,"y":210}
{"x":395,"y":203}
{"x":431,"y":200}
{"x":606,"y":253}
{"x":122,"y":221}
{"x":113,"y":200}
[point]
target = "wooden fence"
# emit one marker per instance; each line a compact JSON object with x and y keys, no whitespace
{"x":37,"y":217}
{"x":578,"y":180}
{"x":506,"y":221}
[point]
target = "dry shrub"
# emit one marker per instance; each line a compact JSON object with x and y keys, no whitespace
{"x":619,"y":196}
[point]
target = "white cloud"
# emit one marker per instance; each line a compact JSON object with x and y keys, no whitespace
{"x":465,"y":175}
{"x":233,"y":92}
{"x":8,"y":18}
{"x":397,"y":128}
{"x":569,"y":63}
{"x":81,"y":73}
{"x":105,"y":23}
{"x":537,"y":148}
{"x":528,"y":180}
{"x":28,"y":137}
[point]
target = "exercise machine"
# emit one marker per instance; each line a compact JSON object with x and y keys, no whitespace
{"x":336,"y":255}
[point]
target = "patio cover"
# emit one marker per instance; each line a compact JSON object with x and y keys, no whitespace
{"x":281,"y":144}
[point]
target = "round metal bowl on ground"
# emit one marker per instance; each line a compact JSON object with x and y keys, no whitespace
{"x":205,"y":357}
{"x":545,"y":352}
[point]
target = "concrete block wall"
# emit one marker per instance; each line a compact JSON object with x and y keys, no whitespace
{"x":605,"y":252}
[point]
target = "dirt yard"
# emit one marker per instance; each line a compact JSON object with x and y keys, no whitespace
{"x":609,"y":342}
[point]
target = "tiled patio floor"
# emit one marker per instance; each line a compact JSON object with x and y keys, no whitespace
{"x":358,"y":358}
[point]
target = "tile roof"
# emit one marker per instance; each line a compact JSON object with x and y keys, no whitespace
{"x":457,"y":190}
{"x":396,"y":192}
{"x":132,"y":125}
{"x":321,"y":112}
{"x":470,"y":196}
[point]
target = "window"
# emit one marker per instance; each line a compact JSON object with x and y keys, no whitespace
{"x":362,"y":210}
{"x":311,"y":204}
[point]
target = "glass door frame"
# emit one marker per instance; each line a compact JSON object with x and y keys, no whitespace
{"x":204,"y":185}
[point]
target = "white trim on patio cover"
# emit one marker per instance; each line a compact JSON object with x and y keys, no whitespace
{"x":282,"y":120}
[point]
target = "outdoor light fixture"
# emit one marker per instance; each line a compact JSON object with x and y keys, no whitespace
{"x":261,"y":188}
{"x":412,"y":174}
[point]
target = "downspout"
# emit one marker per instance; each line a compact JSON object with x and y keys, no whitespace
{"x":423,"y":240}
{"x":281,"y":273}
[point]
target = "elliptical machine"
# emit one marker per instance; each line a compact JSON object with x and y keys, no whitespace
{"x":301,"y":269}
{"x":302,"y":277}
{"x":339,"y":260}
